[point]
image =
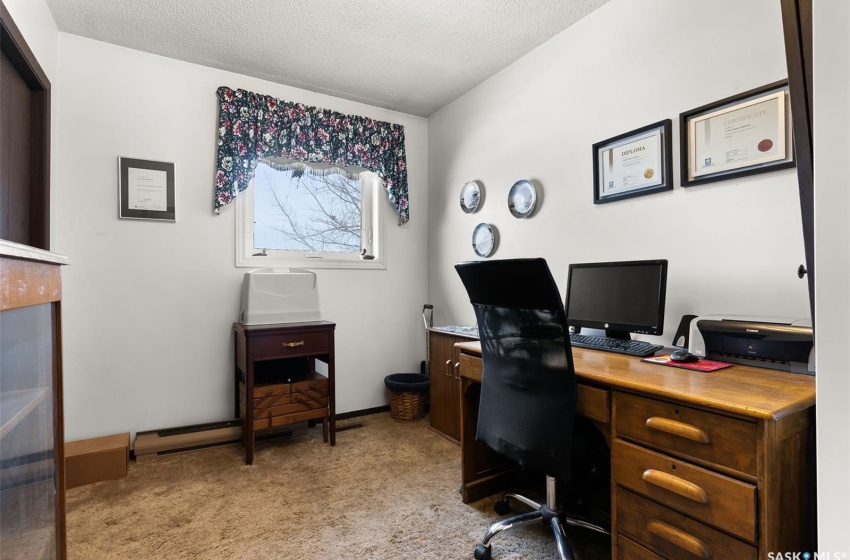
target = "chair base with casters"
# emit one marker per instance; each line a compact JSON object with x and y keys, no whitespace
{"x":547,"y":513}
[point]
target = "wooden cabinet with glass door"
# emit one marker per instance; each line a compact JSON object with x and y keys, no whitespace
{"x":32,"y":478}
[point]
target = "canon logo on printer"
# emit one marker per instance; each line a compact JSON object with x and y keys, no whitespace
{"x":752,"y":330}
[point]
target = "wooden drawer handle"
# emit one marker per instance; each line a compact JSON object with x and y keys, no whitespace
{"x":676,"y":428}
{"x":679,"y":538}
{"x":292,"y":344}
{"x":676,"y":485}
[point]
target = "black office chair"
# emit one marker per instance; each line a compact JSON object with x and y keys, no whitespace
{"x":528,"y":393}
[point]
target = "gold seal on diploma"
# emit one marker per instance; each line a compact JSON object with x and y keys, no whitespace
{"x":649,"y":173}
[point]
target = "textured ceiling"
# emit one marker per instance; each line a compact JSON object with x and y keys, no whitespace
{"x":413,"y":56}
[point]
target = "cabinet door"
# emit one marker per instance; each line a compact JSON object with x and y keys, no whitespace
{"x":444,"y":385}
{"x":30,"y":491}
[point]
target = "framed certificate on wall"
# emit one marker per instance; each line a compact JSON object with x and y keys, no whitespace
{"x":741,"y":135}
{"x":145,"y":189}
{"x":633,"y":164}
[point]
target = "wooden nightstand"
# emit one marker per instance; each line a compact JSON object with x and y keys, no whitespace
{"x":271,"y":389}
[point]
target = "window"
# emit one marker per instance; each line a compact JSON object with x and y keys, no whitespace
{"x":312,"y":217}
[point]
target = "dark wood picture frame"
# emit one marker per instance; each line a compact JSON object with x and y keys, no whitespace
{"x":685,"y":146}
{"x":124,"y":209}
{"x":665,"y":127}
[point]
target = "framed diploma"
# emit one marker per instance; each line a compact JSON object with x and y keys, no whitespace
{"x":145,"y":189}
{"x":741,"y":135}
{"x":633,"y":164}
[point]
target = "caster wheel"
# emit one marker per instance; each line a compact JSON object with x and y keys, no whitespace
{"x":502,"y":507}
{"x":482,"y":552}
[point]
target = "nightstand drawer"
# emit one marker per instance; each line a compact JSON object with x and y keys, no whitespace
{"x":311,"y":393}
{"x":266,"y":391}
{"x":291,"y":418}
{"x":672,"y":534}
{"x":705,"y":436}
{"x":716,"y":499}
{"x":315,"y":387}
{"x":290,"y":345}
{"x":298,"y":404}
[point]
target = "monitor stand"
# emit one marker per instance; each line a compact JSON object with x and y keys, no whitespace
{"x":618,"y":335}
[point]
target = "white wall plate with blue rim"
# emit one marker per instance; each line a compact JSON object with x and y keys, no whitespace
{"x":485,"y":239}
{"x":470,"y":197}
{"x":522,"y":198}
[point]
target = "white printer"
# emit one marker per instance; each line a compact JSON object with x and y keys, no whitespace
{"x":783,"y":344}
{"x":279,"y":295}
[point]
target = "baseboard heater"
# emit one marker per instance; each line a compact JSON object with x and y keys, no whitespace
{"x":187,"y":438}
{"x":184,"y":439}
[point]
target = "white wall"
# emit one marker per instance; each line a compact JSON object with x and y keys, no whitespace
{"x":149,"y":305}
{"x":832,"y":256}
{"x":733,"y":246}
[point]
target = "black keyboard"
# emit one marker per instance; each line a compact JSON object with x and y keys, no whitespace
{"x":629,"y":347}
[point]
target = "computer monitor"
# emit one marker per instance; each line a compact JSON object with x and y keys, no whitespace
{"x":620,"y":297}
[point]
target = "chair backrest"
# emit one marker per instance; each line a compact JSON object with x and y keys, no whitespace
{"x":528,"y":391}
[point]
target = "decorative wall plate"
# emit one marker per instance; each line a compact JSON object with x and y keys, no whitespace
{"x":485,"y":239}
{"x":522,"y":198}
{"x":470,"y":197}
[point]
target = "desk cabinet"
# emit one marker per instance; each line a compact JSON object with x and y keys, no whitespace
{"x":445,"y":408}
{"x":32,"y":476}
{"x":692,"y":483}
{"x":271,"y":387}
{"x":443,"y":368}
{"x":713,"y":466}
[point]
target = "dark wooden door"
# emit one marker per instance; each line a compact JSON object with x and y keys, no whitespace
{"x":24,"y":141}
{"x":797,"y":28}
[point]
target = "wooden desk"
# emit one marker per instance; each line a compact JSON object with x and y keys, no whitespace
{"x":704,"y":465}
{"x":263,"y":404}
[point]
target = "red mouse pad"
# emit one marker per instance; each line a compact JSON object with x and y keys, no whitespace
{"x":702,"y":365}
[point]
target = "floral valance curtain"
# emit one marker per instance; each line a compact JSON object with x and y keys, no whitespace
{"x":252,"y":127}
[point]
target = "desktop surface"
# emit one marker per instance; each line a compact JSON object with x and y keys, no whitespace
{"x":743,"y":390}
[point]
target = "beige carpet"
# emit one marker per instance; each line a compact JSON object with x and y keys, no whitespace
{"x":387,"y":490}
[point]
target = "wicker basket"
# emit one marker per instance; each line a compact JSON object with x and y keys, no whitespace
{"x":407,"y":396}
{"x":407,"y":406}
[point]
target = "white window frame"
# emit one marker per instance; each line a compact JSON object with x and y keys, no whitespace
{"x":373,"y":220}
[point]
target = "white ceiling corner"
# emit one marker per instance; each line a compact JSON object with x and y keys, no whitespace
{"x":412,"y":57}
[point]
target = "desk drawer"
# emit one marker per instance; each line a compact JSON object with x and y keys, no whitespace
{"x":672,"y":534}
{"x":289,"y":345}
{"x":628,"y":549}
{"x":471,"y":367}
{"x":593,"y":403}
{"x":705,"y":436}
{"x":711,"y":497}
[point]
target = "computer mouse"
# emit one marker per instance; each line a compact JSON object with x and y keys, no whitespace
{"x":683,"y":357}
